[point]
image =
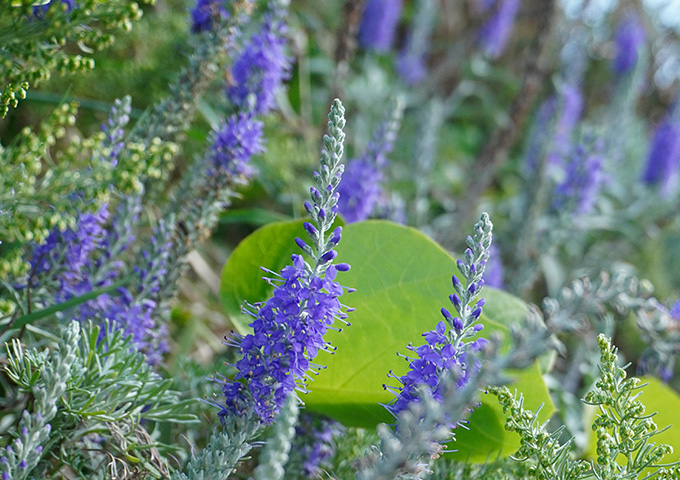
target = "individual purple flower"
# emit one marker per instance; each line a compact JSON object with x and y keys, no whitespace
{"x":583,"y":178}
{"x":238,"y":139}
{"x":262,"y":66}
{"x":494,"y":35}
{"x":361,"y":191}
{"x":629,"y":38}
{"x":205,"y":11}
{"x":663,"y":160}
{"x":379,"y":23}
{"x":410,"y":63}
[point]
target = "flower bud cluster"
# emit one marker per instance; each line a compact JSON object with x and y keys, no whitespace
{"x":43,"y":29}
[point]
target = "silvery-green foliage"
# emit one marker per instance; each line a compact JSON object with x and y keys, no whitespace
{"x":274,"y":455}
{"x":588,"y":306}
{"x":100,"y":397}
{"x":624,"y":431}
{"x":228,"y":444}
{"x":501,"y":469}
{"x":424,"y":158}
{"x":45,"y":377}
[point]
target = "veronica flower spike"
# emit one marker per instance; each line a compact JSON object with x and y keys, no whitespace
{"x":289,"y":328}
{"x":446,"y":346}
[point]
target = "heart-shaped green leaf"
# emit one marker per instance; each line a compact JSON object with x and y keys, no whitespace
{"x":402,"y":280}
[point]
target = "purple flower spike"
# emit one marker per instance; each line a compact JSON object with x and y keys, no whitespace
{"x":379,"y":24}
{"x":494,"y":35}
{"x":493,"y":275}
{"x":663,"y":161}
{"x":630,"y":36}
{"x":584,"y":177}
{"x":361,"y":191}
{"x":445,"y":351}
{"x":410,"y":64}
{"x":289,"y":328}
{"x":262,"y":67}
{"x":234,"y":143}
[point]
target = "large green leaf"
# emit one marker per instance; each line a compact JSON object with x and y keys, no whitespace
{"x":402,"y":279}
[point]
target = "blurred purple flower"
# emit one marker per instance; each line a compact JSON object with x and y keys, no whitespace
{"x":554,"y":125}
{"x":361,"y":191}
{"x":493,"y":275}
{"x":675,"y":310}
{"x":494,"y":35}
{"x":570,"y":108}
{"x":204,"y":12}
{"x":379,"y":24}
{"x":410,"y":63}
{"x":314,"y":443}
{"x":87,"y":257}
{"x":114,"y":129}
{"x":663,"y":160}
{"x":262,"y":67}
{"x":483,"y":6}
{"x":238,"y":139}
{"x":630,"y":36}
{"x":66,"y":254}
{"x":582,"y":182}
{"x":411,"y":67}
